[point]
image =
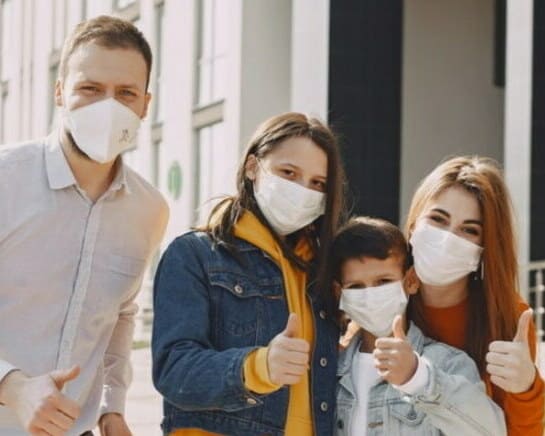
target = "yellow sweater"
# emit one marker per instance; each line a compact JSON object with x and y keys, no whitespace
{"x":256,"y":376}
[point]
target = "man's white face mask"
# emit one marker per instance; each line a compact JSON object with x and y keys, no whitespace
{"x":103,"y":130}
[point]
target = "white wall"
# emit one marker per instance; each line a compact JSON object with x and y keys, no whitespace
{"x":265,"y":62}
{"x":310,"y":57}
{"x":449,"y":102}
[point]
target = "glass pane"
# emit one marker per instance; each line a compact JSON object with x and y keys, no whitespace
{"x":219,"y":81}
{"x":6,"y":35}
{"x":120,"y":4}
{"x":221,"y":21}
{"x":156,"y":164}
{"x":158,"y":98}
{"x":205,"y":82}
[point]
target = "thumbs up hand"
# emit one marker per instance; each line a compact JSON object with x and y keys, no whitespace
{"x":394,"y":356}
{"x":509,"y":363}
{"x":287,"y":358}
{"x":38,"y":402}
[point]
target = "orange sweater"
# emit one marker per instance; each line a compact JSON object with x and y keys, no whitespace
{"x":524,"y":411}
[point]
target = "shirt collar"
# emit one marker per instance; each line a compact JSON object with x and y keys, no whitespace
{"x":60,"y":175}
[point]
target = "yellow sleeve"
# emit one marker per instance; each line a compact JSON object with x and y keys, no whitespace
{"x":256,"y":372}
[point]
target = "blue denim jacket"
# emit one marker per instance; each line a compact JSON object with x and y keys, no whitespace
{"x":210,"y":311}
{"x":453,"y":403}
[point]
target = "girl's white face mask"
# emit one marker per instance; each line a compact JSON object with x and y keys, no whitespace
{"x":441,"y":257}
{"x":374,"y":309}
{"x":286,"y":205}
{"x":103,"y":130}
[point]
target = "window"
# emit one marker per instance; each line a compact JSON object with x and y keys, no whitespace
{"x":210,"y":184}
{"x":156,"y":163}
{"x":59,"y":22}
{"x":3,"y":111}
{"x":122,"y":4}
{"x":6,"y":43}
{"x":158,"y":91}
{"x":53,"y":75}
{"x":212,"y":50}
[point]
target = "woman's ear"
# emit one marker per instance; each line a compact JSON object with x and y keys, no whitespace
{"x":411,"y":282}
{"x":250,"y":168}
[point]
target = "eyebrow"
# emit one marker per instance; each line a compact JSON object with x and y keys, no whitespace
{"x":444,"y":212}
{"x":93,"y":82}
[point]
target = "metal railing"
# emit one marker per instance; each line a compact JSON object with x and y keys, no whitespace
{"x":536,"y":287}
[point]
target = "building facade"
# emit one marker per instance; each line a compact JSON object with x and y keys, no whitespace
{"x":404,"y":83}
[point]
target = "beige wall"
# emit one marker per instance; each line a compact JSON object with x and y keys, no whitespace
{"x":449,"y":102}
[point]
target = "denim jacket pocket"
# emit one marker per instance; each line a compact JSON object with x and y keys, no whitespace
{"x":240,"y":308}
{"x":410,"y":418}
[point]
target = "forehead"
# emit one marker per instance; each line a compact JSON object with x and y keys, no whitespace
{"x":91,"y":61}
{"x":302,"y":152}
{"x":369,"y":268}
{"x":458,"y":202}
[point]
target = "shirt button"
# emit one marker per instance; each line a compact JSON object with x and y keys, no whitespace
{"x":238,"y":289}
{"x":323,"y":406}
{"x":322,"y":314}
{"x":251,"y":401}
{"x":323,"y":362}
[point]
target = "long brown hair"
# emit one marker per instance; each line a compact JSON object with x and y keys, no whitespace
{"x":266,"y":138}
{"x":493,"y":299}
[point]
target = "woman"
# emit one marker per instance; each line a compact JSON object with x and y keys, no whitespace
{"x":241,"y":344}
{"x":462,"y":238}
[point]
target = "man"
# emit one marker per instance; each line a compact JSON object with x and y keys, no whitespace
{"x":77,"y":228}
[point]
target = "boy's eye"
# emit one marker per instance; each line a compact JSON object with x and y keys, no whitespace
{"x":288,"y":173}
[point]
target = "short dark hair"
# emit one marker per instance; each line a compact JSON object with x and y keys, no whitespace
{"x":367,"y":237}
{"x":109,"y":32}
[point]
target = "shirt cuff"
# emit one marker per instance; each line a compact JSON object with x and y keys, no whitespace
{"x":113,"y":400}
{"x":5,"y":369}
{"x":256,"y":372}
{"x":418,"y":381}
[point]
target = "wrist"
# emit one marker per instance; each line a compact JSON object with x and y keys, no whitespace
{"x":11,"y":385}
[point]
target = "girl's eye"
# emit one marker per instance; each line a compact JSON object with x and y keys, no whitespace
{"x":89,"y":88}
{"x":320,"y":186}
{"x":289,"y":173}
{"x":437,"y":219}
{"x":128,"y":93}
{"x":472,"y":231}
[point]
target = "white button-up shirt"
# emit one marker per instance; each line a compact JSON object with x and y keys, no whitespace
{"x":69,"y":273}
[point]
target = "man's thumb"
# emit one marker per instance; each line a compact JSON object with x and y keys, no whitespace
{"x":397,"y":328}
{"x":63,"y":376}
{"x":292,"y":326}
{"x":523,"y":326}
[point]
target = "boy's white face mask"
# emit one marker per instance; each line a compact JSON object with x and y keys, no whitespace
{"x":374,"y":309}
{"x":286,"y":205}
{"x":441,"y":257}
{"x":103,"y":130}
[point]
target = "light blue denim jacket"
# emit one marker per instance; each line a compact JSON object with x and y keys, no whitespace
{"x":454,"y":402}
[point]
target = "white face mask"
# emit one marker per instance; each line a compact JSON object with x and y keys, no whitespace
{"x":103,"y":130}
{"x":441,"y":257}
{"x":286,"y":205}
{"x":375,"y":308}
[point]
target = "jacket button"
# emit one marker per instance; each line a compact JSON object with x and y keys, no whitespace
{"x":251,"y":401}
{"x":238,"y":289}
{"x":322,"y":314}
{"x":323,"y":362}
{"x":323,"y":406}
{"x":340,"y":424}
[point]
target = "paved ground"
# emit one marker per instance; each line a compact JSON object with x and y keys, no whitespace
{"x":144,"y":410}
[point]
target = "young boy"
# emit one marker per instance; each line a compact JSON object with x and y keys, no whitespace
{"x":392,"y":379}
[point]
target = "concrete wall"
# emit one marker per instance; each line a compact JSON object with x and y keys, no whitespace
{"x":449,"y":102}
